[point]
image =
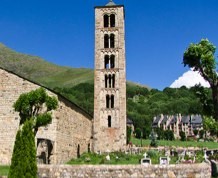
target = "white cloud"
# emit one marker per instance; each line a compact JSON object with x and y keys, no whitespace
{"x":189,"y":79}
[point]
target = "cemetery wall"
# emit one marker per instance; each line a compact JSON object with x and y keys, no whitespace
{"x":69,"y":133}
{"x":125,"y":171}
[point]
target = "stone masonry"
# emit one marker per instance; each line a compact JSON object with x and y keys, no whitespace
{"x":202,"y":170}
{"x":110,"y":79}
{"x":69,"y":134}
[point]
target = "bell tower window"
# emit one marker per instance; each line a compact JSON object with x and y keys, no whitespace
{"x":109,"y":20}
{"x":112,"y":20}
{"x":106,"y":21}
{"x":112,"y":61}
{"x":112,"y":40}
{"x":109,"y":101}
{"x":109,"y":121}
{"x":109,"y":41}
{"x":109,"y":81}
{"x":109,"y":62}
{"x":106,"y":41}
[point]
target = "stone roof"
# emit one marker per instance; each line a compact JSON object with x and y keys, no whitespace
{"x":111,"y":3}
{"x":185,"y":119}
{"x":196,"y":119}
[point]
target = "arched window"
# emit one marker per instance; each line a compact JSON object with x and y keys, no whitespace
{"x":107,"y":101}
{"x":113,"y":81}
{"x":109,"y":21}
{"x":109,"y":61}
{"x":106,"y":62}
{"x":105,"y":79}
{"x":109,"y":81}
{"x":109,"y":121}
{"x":112,"y":40}
{"x":106,"y":41}
{"x":112,"y":61}
{"x":112,"y":101}
{"x":106,"y":21}
{"x":112,"y":20}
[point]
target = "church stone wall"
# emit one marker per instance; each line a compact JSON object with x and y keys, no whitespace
{"x":70,"y":130}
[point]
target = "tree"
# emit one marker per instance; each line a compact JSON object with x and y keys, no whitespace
{"x":128,"y":134}
{"x":210,"y":125}
{"x":33,"y":108}
{"x":201,"y":58}
{"x":23,"y":162}
{"x":35,"y":105}
{"x":138,"y":133}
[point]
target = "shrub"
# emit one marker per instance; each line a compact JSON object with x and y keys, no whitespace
{"x":182,"y":136}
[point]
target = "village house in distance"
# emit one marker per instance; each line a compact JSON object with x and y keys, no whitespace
{"x":178,"y":123}
{"x":73,"y":130}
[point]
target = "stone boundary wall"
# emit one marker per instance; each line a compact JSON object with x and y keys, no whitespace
{"x":201,"y":170}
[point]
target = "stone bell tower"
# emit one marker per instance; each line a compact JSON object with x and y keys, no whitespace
{"x":109,"y":133}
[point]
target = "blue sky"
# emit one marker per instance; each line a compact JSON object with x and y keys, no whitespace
{"x":157,"y":33}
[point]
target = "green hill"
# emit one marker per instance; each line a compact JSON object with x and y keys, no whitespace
{"x":41,"y":71}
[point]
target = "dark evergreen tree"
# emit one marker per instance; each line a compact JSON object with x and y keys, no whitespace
{"x":128,"y":134}
{"x":23,"y":164}
{"x":15,"y":168}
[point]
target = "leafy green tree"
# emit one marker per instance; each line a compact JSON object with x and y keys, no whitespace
{"x":146,"y":132}
{"x":210,"y":125}
{"x":205,"y":97}
{"x":201,"y":58}
{"x":138,"y":133}
{"x":34,"y":110}
{"x":35,"y":105}
{"x":23,"y":162}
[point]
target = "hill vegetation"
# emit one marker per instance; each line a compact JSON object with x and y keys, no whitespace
{"x":76,"y":84}
{"x":36,"y":69}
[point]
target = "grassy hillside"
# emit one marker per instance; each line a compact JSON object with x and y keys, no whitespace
{"x":45,"y":73}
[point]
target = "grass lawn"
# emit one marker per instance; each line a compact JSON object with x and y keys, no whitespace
{"x":4,"y":170}
{"x":178,"y":143}
{"x":115,"y":158}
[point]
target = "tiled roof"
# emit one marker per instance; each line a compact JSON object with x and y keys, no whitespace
{"x":185,"y":119}
{"x":196,"y":119}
